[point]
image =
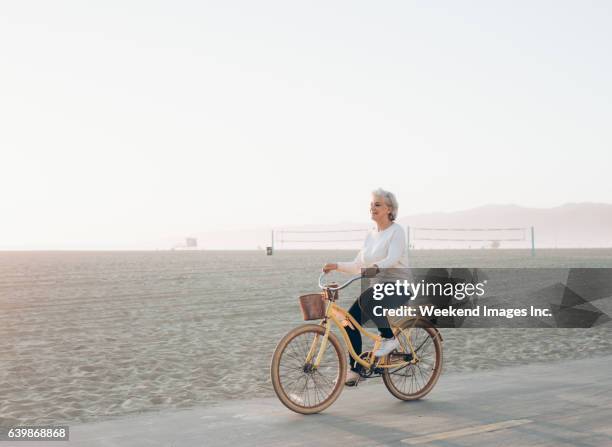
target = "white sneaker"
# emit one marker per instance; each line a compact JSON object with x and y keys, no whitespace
{"x":387,"y":346}
{"x":352,"y":378}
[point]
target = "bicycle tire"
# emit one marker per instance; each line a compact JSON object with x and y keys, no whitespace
{"x":419,"y":385}
{"x":286,"y":375}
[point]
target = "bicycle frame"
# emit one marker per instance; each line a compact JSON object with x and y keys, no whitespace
{"x":331,"y":315}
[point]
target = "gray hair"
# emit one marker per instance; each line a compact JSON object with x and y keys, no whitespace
{"x":389,"y":199}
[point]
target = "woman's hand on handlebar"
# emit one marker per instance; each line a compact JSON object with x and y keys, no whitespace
{"x":370,"y":272}
{"x":329,"y":267}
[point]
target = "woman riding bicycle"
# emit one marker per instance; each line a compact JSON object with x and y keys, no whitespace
{"x":384,"y":248}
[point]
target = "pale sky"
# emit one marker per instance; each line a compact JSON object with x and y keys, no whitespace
{"x":126,"y":122}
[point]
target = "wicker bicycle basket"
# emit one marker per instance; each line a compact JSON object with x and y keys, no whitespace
{"x":313,"y":306}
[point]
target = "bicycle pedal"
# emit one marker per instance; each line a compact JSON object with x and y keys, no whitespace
{"x":355,"y":383}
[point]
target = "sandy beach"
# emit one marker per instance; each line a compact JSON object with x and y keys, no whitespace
{"x":92,"y":336}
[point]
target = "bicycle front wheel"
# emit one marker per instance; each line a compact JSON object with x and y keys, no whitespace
{"x":299,"y":384}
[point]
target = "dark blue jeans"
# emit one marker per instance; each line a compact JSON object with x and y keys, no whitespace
{"x":362,"y":312}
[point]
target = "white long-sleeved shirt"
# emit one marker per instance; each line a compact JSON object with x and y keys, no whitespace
{"x":387,"y":249}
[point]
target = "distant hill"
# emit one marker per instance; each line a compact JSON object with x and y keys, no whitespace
{"x":569,"y":225}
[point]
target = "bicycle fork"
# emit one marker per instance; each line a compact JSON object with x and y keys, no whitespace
{"x":313,"y":348}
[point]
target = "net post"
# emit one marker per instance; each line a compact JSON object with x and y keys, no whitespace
{"x":532,"y":241}
{"x":408,"y":238}
{"x":270,"y":248}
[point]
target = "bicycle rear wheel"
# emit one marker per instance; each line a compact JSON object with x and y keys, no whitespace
{"x":415,"y":380}
{"x":300,"y":385}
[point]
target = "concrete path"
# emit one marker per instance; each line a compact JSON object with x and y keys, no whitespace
{"x":560,"y":404}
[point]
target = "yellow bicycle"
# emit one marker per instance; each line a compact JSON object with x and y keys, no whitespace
{"x":309,"y":365}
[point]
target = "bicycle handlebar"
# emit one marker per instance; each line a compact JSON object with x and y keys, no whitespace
{"x":350,"y":281}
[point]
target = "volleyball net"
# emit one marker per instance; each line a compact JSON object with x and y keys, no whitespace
{"x":416,"y":237}
{"x":492,"y":237}
{"x":287,"y":239}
